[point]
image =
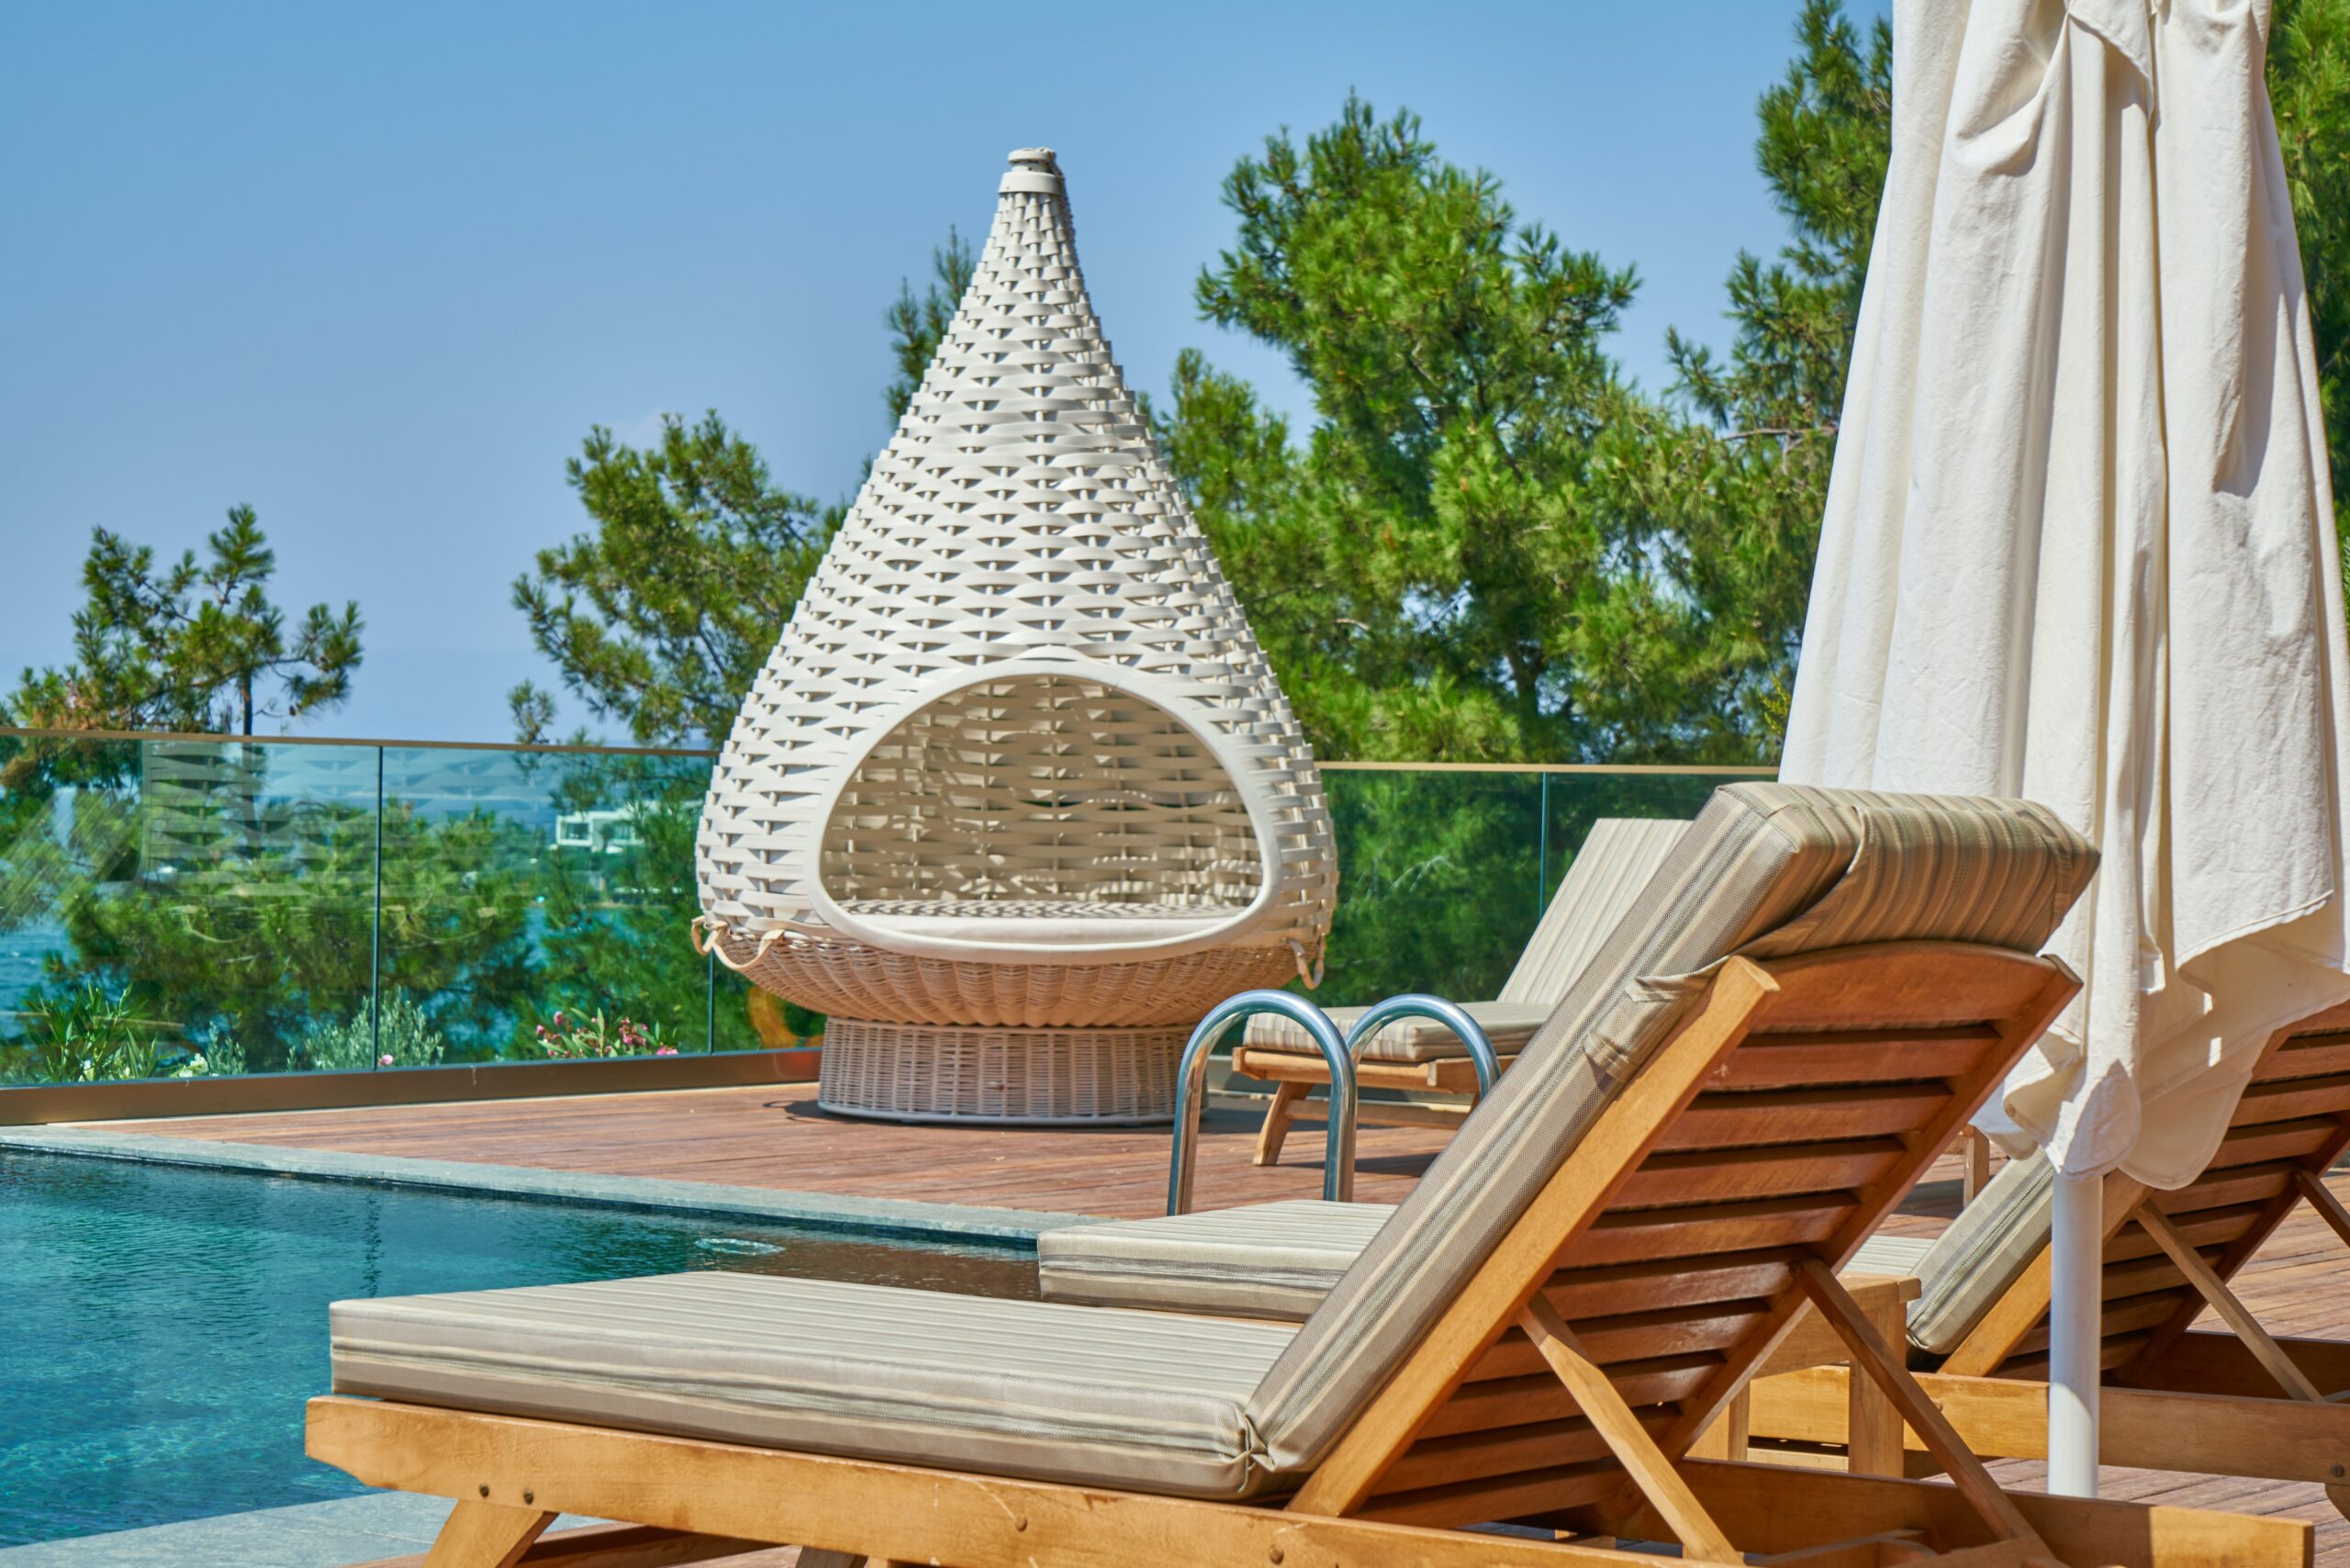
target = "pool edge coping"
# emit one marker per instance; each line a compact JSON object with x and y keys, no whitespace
{"x":899,"y":1218}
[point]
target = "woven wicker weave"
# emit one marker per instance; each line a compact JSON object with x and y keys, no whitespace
{"x":1017,"y":759}
{"x":925,"y":1073}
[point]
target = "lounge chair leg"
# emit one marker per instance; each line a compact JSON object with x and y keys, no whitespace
{"x":1975,"y":1160}
{"x":487,"y":1535}
{"x":1275,"y":1132}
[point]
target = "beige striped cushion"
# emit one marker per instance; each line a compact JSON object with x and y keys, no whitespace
{"x":1263,"y":1260}
{"x":1985,"y":1250}
{"x":1769,"y":870}
{"x":1507,"y":1025}
{"x":1144,"y":1399}
{"x":1616,"y":859}
{"x":1266,"y":1260}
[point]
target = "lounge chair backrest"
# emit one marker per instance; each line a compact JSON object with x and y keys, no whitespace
{"x":1768,"y":871}
{"x":2293,"y":1115}
{"x":1618,"y":858}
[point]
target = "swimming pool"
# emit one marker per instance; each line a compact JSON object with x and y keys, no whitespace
{"x":163,"y":1326}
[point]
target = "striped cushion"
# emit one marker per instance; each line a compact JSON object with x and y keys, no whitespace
{"x":1769,"y":870}
{"x":1507,"y":1025}
{"x":1266,"y":1260}
{"x":1616,"y":859}
{"x":1142,"y":1399}
{"x":1985,"y":1251}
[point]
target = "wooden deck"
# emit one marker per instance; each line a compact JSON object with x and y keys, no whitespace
{"x":774,"y":1138}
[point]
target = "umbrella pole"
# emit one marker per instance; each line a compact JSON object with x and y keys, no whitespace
{"x":2076,"y":1247}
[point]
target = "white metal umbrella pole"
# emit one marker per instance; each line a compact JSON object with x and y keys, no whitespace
{"x":2076,"y":1247}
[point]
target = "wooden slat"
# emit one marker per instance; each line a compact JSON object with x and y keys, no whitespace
{"x":1583,"y":1293}
{"x":1675,"y":1331}
{"x":2224,"y":1187}
{"x":2130,"y":1315}
{"x":2293,"y":1099}
{"x":1530,"y":1396}
{"x":2305,"y":1057}
{"x":1528,"y":1494}
{"x":1482,"y":1455}
{"x":1719,"y":1175}
{"x":2298,"y":1139}
{"x":1725,"y":1119}
{"x":1909,"y":986}
{"x":2205,"y":1227}
{"x":1777,"y":1060}
{"x":1623,"y":1236}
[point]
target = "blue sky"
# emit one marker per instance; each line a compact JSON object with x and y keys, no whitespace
{"x":377,"y":271}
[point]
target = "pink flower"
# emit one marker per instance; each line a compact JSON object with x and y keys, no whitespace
{"x":383,"y":1061}
{"x":558,"y":1020}
{"x":666,"y":1051}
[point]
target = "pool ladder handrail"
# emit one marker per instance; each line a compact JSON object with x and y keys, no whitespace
{"x":1340,"y":1054}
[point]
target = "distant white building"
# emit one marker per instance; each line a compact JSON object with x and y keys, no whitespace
{"x":598,"y":832}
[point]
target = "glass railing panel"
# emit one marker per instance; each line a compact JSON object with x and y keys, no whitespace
{"x":207,"y":903}
{"x":1573,"y":801}
{"x":1439,"y":880}
{"x":220,"y":905}
{"x":536,"y":905}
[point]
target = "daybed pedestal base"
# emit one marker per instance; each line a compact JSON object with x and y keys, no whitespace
{"x":927,"y":1072}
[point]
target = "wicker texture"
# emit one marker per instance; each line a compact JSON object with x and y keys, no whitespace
{"x":853,"y":979}
{"x":1018,"y":683}
{"x":924,"y":1072}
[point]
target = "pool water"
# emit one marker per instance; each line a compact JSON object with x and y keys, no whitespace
{"x":160,"y":1328}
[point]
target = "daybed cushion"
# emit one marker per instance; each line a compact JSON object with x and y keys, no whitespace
{"x":1507,"y":1025}
{"x":1266,"y":1260}
{"x":1770,"y":870}
{"x":1043,"y":923}
{"x":1985,"y":1251}
{"x":1081,"y":1394}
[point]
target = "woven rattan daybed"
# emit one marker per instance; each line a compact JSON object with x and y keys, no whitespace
{"x":1016,"y":800}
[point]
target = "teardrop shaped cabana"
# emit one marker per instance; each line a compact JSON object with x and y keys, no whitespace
{"x":1016,"y":799}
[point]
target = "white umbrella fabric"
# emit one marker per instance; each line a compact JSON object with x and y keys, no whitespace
{"x":2079,"y":542}
{"x":2079,"y":548}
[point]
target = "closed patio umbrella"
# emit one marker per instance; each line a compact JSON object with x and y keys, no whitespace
{"x":2079,"y":548}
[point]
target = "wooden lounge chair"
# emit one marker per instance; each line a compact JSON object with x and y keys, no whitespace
{"x":2240,"y":1402}
{"x":1615,"y":861}
{"x":1620,"y":1235}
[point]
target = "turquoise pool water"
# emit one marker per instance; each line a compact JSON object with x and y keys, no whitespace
{"x":160,"y":1328}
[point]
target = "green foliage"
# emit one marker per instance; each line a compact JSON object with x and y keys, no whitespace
{"x":2309,"y":84}
{"x":404,"y":1036}
{"x":1421,"y":569}
{"x":192,"y":645}
{"x":85,"y":1036}
{"x":917,"y":326}
{"x":660,"y":616}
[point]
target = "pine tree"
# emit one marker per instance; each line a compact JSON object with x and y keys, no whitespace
{"x":659,"y":618}
{"x":2309,"y":84}
{"x":1421,"y":567}
{"x":194,"y":645}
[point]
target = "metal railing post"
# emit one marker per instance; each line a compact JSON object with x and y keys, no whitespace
{"x":1190,"y":1090}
